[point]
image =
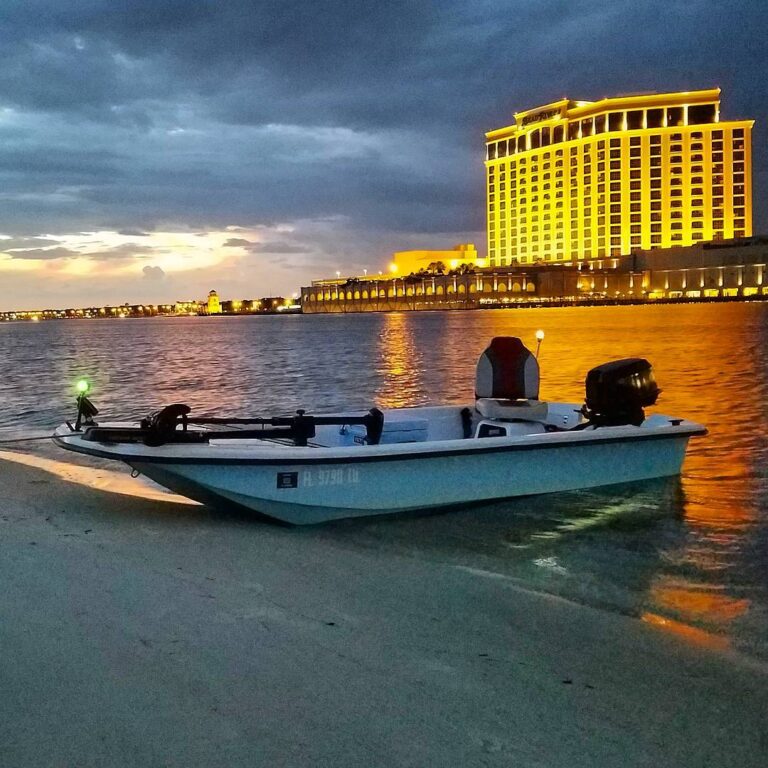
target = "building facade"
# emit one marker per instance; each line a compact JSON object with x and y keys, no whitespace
{"x":213,"y":305}
{"x":573,"y":181}
{"x":727,"y":270}
{"x":405,"y":262}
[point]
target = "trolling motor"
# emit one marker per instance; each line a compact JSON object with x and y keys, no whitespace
{"x":160,"y":427}
{"x":618,"y":391}
{"x":86,"y":410}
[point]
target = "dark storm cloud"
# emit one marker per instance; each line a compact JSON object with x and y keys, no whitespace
{"x":43,"y":254}
{"x":238,"y":242}
{"x":277,"y":246}
{"x":16,"y":243}
{"x":269,"y":246}
{"x":153,"y":273}
{"x":123,"y":251}
{"x":66,"y":163}
{"x":131,"y":115}
{"x":21,"y":248}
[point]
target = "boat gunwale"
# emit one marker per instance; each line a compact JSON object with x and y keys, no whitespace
{"x":671,"y":432}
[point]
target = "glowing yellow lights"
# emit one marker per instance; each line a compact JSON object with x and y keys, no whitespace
{"x":573,"y":181}
{"x":213,"y":305}
{"x":539,"y":335}
{"x":420,"y":261}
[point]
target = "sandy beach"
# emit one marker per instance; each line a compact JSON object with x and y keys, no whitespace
{"x":138,"y":630}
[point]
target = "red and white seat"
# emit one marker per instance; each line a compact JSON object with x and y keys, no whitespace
{"x":507,"y":382}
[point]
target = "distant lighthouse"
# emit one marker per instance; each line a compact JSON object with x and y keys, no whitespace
{"x":214,"y":305}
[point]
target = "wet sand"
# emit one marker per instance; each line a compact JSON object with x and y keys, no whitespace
{"x":144,"y":632}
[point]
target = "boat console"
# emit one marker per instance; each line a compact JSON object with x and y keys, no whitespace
{"x":393,"y":431}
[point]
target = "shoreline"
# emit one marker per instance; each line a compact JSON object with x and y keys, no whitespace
{"x":143,"y":631}
{"x":344,"y":310}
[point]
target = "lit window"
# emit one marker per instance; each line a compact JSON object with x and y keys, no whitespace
{"x":634,"y":120}
{"x":654,"y":118}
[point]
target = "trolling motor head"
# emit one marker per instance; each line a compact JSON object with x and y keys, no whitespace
{"x":86,"y":410}
{"x":160,"y":425}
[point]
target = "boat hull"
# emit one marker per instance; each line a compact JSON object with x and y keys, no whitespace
{"x":307,"y":492}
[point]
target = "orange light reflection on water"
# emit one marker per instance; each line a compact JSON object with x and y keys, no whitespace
{"x":711,"y":363}
{"x":399,"y":364}
{"x":685,"y":632}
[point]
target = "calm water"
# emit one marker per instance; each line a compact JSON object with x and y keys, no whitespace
{"x":689,"y":554}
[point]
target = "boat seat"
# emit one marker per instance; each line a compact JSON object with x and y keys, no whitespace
{"x":507,"y":382}
{"x":506,"y":410}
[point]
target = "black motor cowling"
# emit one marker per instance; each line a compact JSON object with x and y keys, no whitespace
{"x":618,"y":391}
{"x":159,"y":426}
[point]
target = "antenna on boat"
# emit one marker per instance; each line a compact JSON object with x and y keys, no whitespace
{"x":539,"y":339}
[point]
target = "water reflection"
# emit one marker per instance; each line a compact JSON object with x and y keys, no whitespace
{"x":399,"y":368}
{"x":693,"y":553}
{"x":713,"y":365}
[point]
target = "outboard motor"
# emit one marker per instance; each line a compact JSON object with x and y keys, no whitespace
{"x":618,"y":391}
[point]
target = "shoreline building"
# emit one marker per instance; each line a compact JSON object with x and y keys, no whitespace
{"x":406,"y":262}
{"x":633,"y":198}
{"x":213,"y":304}
{"x":574,"y":180}
{"x":728,"y":270}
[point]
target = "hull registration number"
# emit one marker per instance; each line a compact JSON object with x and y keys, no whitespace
{"x":318,"y":478}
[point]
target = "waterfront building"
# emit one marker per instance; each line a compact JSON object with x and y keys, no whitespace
{"x":578,"y":180}
{"x":406,"y":262}
{"x":194,"y":308}
{"x":720,"y":270}
{"x":188,"y":307}
{"x":213,"y":306}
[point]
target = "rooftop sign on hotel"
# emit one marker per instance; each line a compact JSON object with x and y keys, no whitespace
{"x":538,"y":117}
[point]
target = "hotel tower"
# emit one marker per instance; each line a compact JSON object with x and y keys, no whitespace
{"x":576,"y":180}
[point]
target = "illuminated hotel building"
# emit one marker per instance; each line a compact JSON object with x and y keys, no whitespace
{"x":584,"y":180}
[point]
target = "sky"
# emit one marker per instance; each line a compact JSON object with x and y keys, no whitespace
{"x":152,"y":150}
